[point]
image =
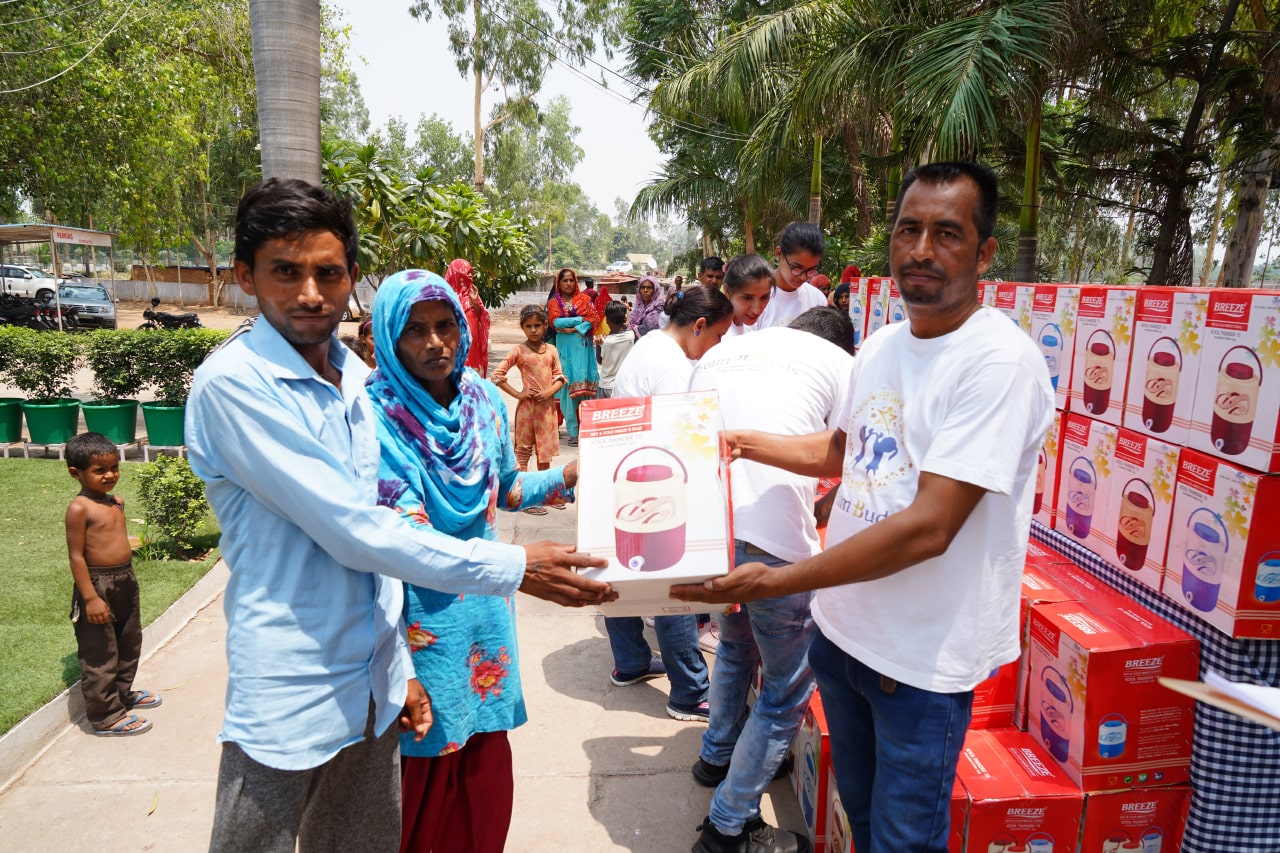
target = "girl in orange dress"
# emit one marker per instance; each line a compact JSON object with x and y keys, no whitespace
{"x":535,"y":430}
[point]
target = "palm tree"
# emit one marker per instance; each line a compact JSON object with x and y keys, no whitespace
{"x":286,"y":64}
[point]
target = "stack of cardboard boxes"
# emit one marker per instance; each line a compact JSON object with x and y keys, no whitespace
{"x":1164,"y":460}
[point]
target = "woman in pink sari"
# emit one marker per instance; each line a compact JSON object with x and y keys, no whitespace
{"x":460,"y":279}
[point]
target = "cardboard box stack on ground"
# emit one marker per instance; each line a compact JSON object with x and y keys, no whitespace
{"x":1086,"y":449}
{"x":1168,"y":338}
{"x":987,"y":293}
{"x":1014,"y":301}
{"x":1104,"y":338}
{"x":1236,"y":415}
{"x":858,"y":309}
{"x":1039,"y":584}
{"x":1150,"y":820}
{"x":1053,"y":328}
{"x":1047,"y":473}
{"x":811,"y":771}
{"x":1094,"y":702}
{"x":1223,"y":562}
{"x":993,"y":699}
{"x":1016,"y":797}
{"x":653,"y":498}
{"x":1140,"y":505}
{"x":877,"y":303}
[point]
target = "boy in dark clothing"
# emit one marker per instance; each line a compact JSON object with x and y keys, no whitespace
{"x":104,"y":604}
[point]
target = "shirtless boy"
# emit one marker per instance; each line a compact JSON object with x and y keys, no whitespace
{"x":104,"y":605}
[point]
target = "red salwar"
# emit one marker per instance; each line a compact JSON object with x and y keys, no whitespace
{"x":460,"y":802}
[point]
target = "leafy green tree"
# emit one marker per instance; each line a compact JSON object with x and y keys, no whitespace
{"x":510,"y":48}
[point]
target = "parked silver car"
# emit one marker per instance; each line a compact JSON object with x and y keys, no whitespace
{"x":97,"y":309}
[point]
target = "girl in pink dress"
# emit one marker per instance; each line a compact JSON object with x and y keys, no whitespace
{"x":536,"y":430}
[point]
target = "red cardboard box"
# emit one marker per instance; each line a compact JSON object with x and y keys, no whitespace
{"x":1047,"y":474}
{"x":1150,"y":820}
{"x":1014,"y":301}
{"x":878,"y":303}
{"x":993,"y":699}
{"x":1236,"y":415}
{"x":858,"y":309}
{"x":811,"y":770}
{"x":1168,"y":336}
{"x":1104,"y":337}
{"x":1053,"y":328}
{"x":1087,"y":448}
{"x":1224,"y":546}
{"x":1094,"y":702}
{"x":1140,"y":505}
{"x":1017,"y":798}
{"x":1037,"y":587}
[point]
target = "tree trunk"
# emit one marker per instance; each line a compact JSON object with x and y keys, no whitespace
{"x":748,"y":230}
{"x":1251,"y":205}
{"x":815,"y":183}
{"x":1175,"y":220}
{"x":476,"y":71}
{"x":861,"y":198}
{"x":1213,"y":234}
{"x":1029,"y":223}
{"x":286,"y":66}
{"x":1128,"y":231}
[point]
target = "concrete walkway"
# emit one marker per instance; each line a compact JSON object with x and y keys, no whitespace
{"x":597,"y":767}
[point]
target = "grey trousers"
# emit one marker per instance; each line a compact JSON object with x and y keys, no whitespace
{"x":349,"y":803}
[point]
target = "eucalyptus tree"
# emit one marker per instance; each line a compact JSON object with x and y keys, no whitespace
{"x":510,"y":46}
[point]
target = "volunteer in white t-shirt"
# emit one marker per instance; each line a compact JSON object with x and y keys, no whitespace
{"x":799,"y":254}
{"x":919,"y":584}
{"x":787,"y":381}
{"x":661,"y":363}
{"x":748,"y":282}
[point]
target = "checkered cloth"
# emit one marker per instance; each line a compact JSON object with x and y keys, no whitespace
{"x":1235,"y":764}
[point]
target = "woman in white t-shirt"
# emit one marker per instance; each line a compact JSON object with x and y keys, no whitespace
{"x":799,"y":253}
{"x":662,"y":363}
{"x":748,"y":282}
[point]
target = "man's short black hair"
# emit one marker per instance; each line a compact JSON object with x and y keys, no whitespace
{"x":712,"y":263}
{"x":984,"y":218}
{"x":83,"y":447}
{"x":288,"y":208}
{"x":830,"y":324}
{"x":615,"y":314}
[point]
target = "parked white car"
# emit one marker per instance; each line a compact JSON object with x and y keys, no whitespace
{"x":619,"y":266}
{"x":28,"y":281}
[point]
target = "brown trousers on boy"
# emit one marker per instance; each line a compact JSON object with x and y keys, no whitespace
{"x":109,"y":653}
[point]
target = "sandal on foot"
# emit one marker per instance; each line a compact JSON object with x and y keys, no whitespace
{"x":128,"y":725}
{"x":557,"y":506}
{"x":535,"y":510}
{"x":573,"y":441}
{"x":143,"y":699}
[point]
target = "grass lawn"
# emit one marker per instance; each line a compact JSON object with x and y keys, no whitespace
{"x":37,"y":647}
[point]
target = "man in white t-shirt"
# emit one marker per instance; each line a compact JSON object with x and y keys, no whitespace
{"x":919,"y":585}
{"x":789,"y":381}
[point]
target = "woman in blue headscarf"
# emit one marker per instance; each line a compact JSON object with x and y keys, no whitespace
{"x":448,"y":464}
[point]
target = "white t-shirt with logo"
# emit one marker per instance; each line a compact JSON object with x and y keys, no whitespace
{"x":785,"y":306}
{"x":973,"y":406}
{"x":781,"y":381}
{"x":655,"y":365}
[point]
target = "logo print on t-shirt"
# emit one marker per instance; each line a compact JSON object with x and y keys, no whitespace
{"x":876,"y":454}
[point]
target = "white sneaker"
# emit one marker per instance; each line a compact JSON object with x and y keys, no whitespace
{"x":709,"y":637}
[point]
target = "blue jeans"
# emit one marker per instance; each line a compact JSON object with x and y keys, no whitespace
{"x":774,"y":632}
{"x":678,"y":640}
{"x":894,"y":749}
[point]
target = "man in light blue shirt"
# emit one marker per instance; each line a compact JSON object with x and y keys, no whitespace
{"x":279,"y":428}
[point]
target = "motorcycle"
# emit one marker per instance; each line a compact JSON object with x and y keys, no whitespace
{"x":164,"y":320}
{"x":41,"y":315}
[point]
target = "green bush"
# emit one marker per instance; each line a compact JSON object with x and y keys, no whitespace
{"x":172,"y":499}
{"x":43,"y":364}
{"x":167,"y":359}
{"x":8,"y":351}
{"x":114,"y":355}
